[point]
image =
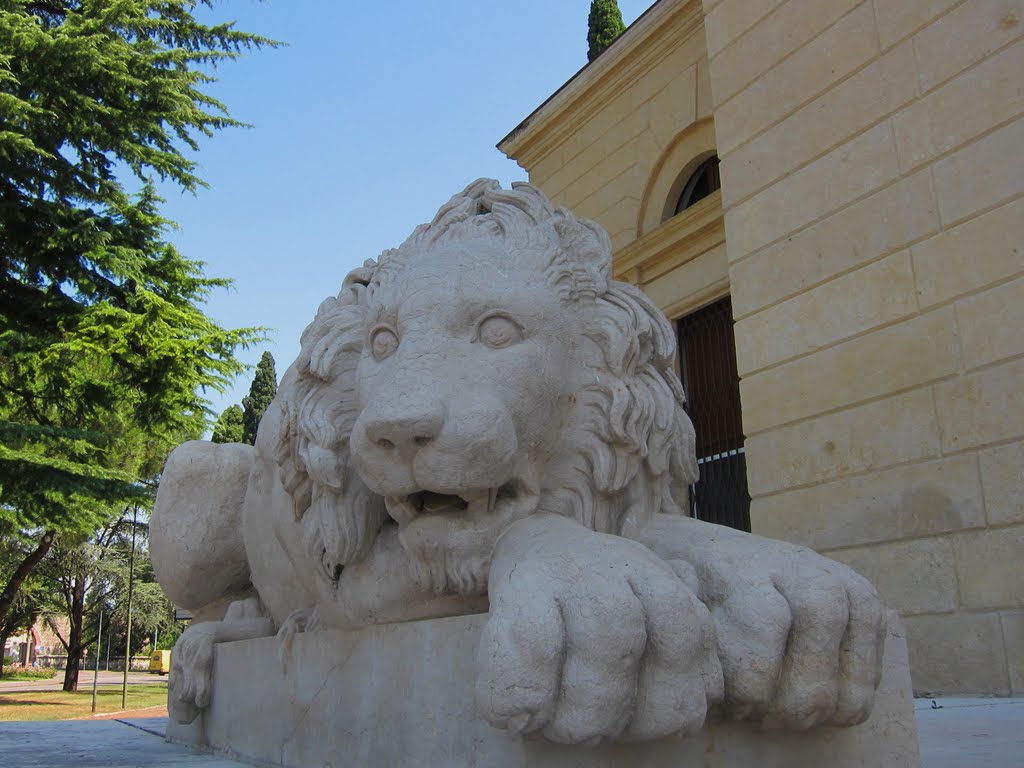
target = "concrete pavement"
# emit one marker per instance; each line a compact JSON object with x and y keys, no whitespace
{"x":971,"y":732}
{"x":955,"y":733}
{"x":97,"y":744}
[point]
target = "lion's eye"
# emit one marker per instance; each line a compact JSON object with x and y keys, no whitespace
{"x":498,"y":331}
{"x":383,"y":342}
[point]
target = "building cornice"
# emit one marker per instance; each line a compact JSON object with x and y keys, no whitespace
{"x":682,"y":238}
{"x":643,"y":45}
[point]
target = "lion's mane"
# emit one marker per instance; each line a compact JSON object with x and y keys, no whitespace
{"x":633,"y":443}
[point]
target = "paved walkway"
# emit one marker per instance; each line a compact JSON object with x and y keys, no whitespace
{"x":104,"y":680}
{"x":955,"y":733}
{"x":97,"y":744}
{"x":971,"y":732}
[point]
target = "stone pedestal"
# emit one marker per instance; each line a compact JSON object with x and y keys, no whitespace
{"x":402,"y":695}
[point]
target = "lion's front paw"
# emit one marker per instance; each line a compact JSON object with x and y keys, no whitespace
{"x":800,"y":636}
{"x":297,"y":622}
{"x":191,"y":672}
{"x":592,"y":637}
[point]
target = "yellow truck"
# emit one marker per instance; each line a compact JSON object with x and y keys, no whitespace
{"x":160,"y":662}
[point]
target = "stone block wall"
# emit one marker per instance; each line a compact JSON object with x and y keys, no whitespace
{"x":873,"y":188}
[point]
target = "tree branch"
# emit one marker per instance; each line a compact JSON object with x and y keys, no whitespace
{"x":21,"y":573}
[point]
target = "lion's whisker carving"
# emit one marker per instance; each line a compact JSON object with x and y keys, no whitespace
{"x":484,"y":420}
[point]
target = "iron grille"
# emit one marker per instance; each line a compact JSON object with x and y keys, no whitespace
{"x":707,"y":354}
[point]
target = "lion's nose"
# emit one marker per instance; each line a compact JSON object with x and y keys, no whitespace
{"x":404,"y":434}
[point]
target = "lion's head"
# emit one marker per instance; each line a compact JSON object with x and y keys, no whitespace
{"x":486,"y":370}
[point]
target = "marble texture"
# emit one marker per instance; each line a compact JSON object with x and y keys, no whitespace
{"x":483,"y":420}
{"x":347,"y":698}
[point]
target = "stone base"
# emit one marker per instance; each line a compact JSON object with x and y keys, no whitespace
{"x":402,"y":695}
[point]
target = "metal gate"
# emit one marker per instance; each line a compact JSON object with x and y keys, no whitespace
{"x":707,"y":354}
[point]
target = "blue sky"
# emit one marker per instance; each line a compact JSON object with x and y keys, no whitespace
{"x":373,"y":116}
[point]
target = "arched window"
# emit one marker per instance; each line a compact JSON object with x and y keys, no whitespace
{"x":701,"y":183}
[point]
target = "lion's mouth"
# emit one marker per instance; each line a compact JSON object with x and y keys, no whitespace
{"x":405,"y":509}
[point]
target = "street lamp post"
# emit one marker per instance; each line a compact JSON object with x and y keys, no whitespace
{"x":96,"y":666}
{"x":128,"y":631}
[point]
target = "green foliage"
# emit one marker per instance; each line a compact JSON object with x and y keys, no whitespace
{"x":604,"y":25}
{"x":13,"y":674}
{"x":35,"y":598}
{"x":104,"y":350}
{"x":105,"y":564}
{"x":228,"y":428}
{"x":261,"y":393}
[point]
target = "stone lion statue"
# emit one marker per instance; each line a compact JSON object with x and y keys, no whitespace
{"x":484,"y":421}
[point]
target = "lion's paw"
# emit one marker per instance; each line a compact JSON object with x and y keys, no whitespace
{"x":592,"y":638}
{"x":800,"y":636}
{"x":189,"y":683}
{"x":298,"y":622}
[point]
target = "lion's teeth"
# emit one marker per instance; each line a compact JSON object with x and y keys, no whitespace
{"x":475,"y":501}
{"x":401,"y":509}
{"x":473,"y":497}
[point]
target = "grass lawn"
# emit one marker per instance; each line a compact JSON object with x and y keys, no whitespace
{"x":58,"y":705}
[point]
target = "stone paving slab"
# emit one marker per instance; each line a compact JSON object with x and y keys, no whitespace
{"x":955,"y":733}
{"x":95,"y":744}
{"x":971,"y":732}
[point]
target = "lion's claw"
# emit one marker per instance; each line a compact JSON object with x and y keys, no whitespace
{"x":592,"y":637}
{"x":800,"y":637}
{"x":189,"y":683}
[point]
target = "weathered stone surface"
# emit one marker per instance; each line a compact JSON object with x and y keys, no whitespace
{"x":485,"y":420}
{"x":843,"y":443}
{"x":775,"y":36}
{"x":365,"y":698}
{"x":964,"y":36}
{"x":947,"y":117}
{"x":982,"y":407}
{"x":907,"y":501}
{"x":844,"y":111}
{"x":837,"y":52}
{"x":991,"y":568}
{"x":877,"y":294}
{"x":1002,"y":478}
{"x":916,"y":351}
{"x":898,"y":20}
{"x":928,"y":586}
{"x":214,"y":566}
{"x":973,"y":640}
{"x":882,"y":223}
{"x":990,"y":324}
{"x":850,"y":418}
{"x":981,"y":175}
{"x":947,"y":266}
{"x":1013,"y":637}
{"x":832,"y":182}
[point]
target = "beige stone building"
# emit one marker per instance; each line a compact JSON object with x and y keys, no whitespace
{"x":868,"y":240}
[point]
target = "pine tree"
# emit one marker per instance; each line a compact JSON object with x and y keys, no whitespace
{"x":604,"y":25}
{"x":228,"y":428}
{"x":104,"y":347}
{"x":261,"y":393}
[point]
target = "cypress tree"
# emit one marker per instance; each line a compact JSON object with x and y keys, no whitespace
{"x":228,"y":428}
{"x":604,"y":25}
{"x":262,"y":391}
